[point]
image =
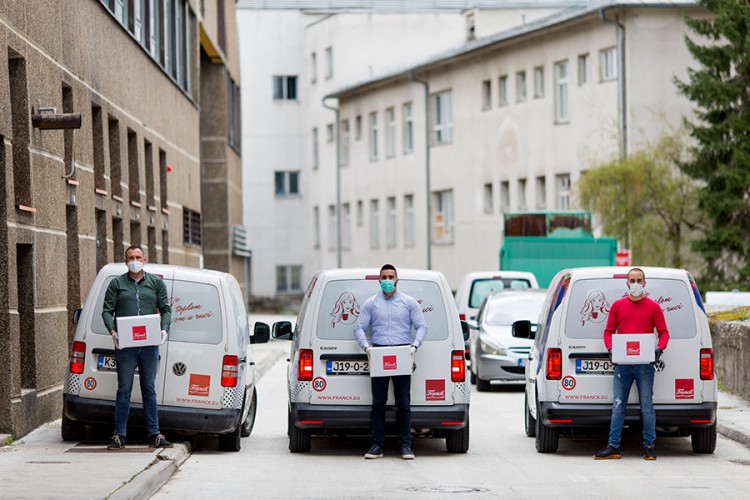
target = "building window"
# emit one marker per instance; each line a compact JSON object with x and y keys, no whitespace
{"x":329,"y":132}
{"x":332,"y":236}
{"x":315,"y":149}
{"x":562,"y":107}
{"x":608,"y":64}
{"x":522,"y":194}
{"x":583,"y":69}
{"x":234,"y":116}
{"x":488,"y":205}
{"x":521,"y":86}
{"x":191,"y":227}
{"x":539,"y":81}
{"x":316,"y":226}
{"x":443,"y":217}
{"x":390,"y":223}
{"x":288,"y":279}
{"x":390,"y":132}
{"x":502,"y":90}
{"x":486,"y":95}
{"x":374,"y":136}
{"x":345,"y":142}
{"x":286,"y":183}
{"x":409,"y":220}
{"x":358,"y":127}
{"x":329,"y":62}
{"x":374,"y":224}
{"x":313,"y":68}
{"x":541,"y":192}
{"x":284,"y":87}
{"x":408,"y":129}
{"x":360,"y":214}
{"x":504,"y":196}
{"x":562,"y":183}
{"x":346,"y":232}
{"x":442,"y":118}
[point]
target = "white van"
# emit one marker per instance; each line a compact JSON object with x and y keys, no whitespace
{"x":569,"y":376}
{"x":477,"y":285}
{"x":206,"y":378}
{"x":329,"y":383}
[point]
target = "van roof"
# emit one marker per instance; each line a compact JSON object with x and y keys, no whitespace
{"x":179,"y":271}
{"x":604,"y":271}
{"x":362,"y":272}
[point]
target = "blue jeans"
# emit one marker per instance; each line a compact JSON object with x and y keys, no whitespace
{"x":623,"y":380}
{"x":147,"y":361}
{"x":402,"y":393}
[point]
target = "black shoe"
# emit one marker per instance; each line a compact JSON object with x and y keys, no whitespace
{"x":649,"y":453}
{"x":158,"y":441}
{"x":374,"y":452}
{"x":608,"y":453}
{"x":406,"y":453}
{"x":116,"y":443}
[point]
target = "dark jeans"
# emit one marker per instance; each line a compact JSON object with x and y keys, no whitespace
{"x":147,"y":361}
{"x":643,"y":375}
{"x":402,"y":393}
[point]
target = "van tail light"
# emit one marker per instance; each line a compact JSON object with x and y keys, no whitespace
{"x":458,"y":366}
{"x":707,"y":364}
{"x":554,"y":363}
{"x":229,"y":369}
{"x":462,"y":317}
{"x":305,"y":366}
{"x":77,"y":357}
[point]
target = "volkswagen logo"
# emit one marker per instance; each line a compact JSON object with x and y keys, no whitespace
{"x":179,"y":369}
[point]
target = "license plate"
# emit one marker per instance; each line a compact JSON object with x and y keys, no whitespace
{"x":106,"y":363}
{"x":594,"y":366}
{"x":344,"y":367}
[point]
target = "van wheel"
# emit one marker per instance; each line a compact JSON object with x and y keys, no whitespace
{"x":299,"y":439}
{"x":483,"y":385}
{"x":458,"y":441}
{"x":247,"y":426}
{"x":231,"y":441}
{"x":529,"y":422}
{"x":72,"y":430}
{"x":703,"y":439}
{"x":547,"y":438}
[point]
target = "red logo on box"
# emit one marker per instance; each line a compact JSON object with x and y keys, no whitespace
{"x":434,"y":390}
{"x":199,"y":385}
{"x":632,"y":348}
{"x":684,"y":388}
{"x":390,"y":362}
{"x":139,"y":332}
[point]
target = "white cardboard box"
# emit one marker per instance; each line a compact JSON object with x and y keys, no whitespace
{"x":633,"y":348}
{"x":139,"y":331}
{"x":390,"y":361}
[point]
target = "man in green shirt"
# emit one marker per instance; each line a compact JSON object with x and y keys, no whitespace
{"x":136,"y":293}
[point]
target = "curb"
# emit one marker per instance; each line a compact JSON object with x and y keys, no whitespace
{"x":733,"y":434}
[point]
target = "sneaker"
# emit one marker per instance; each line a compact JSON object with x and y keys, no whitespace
{"x":116,"y":443}
{"x":406,"y":453}
{"x":158,"y":441}
{"x":608,"y":453}
{"x":374,"y":452}
{"x":649,"y":453}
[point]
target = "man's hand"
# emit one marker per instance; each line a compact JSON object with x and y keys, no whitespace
{"x":609,"y":353}
{"x":367,"y":351}
{"x":413,"y":351}
{"x":163,"y":337}
{"x":115,"y":339}
{"x":659,"y":352}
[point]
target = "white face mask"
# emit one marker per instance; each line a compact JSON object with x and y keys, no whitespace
{"x":135,"y":266}
{"x":636,"y":289}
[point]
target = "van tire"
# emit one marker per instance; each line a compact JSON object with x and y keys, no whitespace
{"x":458,"y":441}
{"x":529,"y":422}
{"x":547,"y":438}
{"x":299,"y":439}
{"x":483,"y":385}
{"x":70,"y":430}
{"x":472,"y":377}
{"x":247,"y":426}
{"x":703,"y":439}
{"x":231,"y":441}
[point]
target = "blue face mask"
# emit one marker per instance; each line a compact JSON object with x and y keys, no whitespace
{"x":387,"y":285}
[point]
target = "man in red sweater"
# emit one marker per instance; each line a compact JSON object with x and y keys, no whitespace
{"x":635,"y":313}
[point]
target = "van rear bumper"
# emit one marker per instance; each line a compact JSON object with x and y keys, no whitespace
{"x":555,"y":414}
{"x":192,"y":420}
{"x":307,"y":416}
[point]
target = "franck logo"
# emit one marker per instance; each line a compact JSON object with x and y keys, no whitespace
{"x":390,"y":362}
{"x":632,"y":348}
{"x":139,"y":332}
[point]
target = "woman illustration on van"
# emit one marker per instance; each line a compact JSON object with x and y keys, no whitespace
{"x":346,"y":310}
{"x":595,"y":309}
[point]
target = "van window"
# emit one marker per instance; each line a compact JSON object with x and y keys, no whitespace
{"x":342,"y":300}
{"x":480,"y":288}
{"x":590,"y":300}
{"x":97,"y":323}
{"x":196,"y":313}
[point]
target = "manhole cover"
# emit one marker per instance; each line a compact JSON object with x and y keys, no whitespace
{"x":448,"y":489}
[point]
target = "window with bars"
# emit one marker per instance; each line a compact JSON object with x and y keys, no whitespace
{"x":191,"y":227}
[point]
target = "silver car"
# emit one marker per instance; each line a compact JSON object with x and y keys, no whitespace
{"x":495,"y":354}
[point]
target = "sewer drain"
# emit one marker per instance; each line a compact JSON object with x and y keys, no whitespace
{"x":448,"y":489}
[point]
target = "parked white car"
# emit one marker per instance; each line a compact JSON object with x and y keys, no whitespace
{"x":205,"y":383}
{"x":475,"y":286}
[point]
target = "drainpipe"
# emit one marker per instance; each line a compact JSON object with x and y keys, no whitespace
{"x":426,"y":162}
{"x":338,"y":183}
{"x":622,"y":92}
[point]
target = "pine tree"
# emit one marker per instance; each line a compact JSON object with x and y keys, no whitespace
{"x":719,"y":86}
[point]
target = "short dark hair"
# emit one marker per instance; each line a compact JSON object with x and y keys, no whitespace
{"x":133,"y":247}
{"x":388,"y":267}
{"x":637,"y":269}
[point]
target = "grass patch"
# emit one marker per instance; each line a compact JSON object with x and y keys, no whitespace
{"x":8,"y":441}
{"x":739,"y":314}
{"x":722,"y":387}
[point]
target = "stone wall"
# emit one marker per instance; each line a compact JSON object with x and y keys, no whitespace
{"x":731,"y":342}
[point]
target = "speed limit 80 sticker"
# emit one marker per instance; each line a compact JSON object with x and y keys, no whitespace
{"x":568,"y":383}
{"x":319,"y":384}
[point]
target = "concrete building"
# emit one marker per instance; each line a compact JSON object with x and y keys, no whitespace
{"x":150,"y":91}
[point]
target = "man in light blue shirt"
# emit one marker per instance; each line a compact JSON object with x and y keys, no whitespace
{"x":390,"y":316}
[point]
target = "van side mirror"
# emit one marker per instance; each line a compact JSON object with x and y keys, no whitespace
{"x":465,"y":330}
{"x":282,"y":330}
{"x":522,"y":330}
{"x":76,"y":316}
{"x":261,"y":333}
